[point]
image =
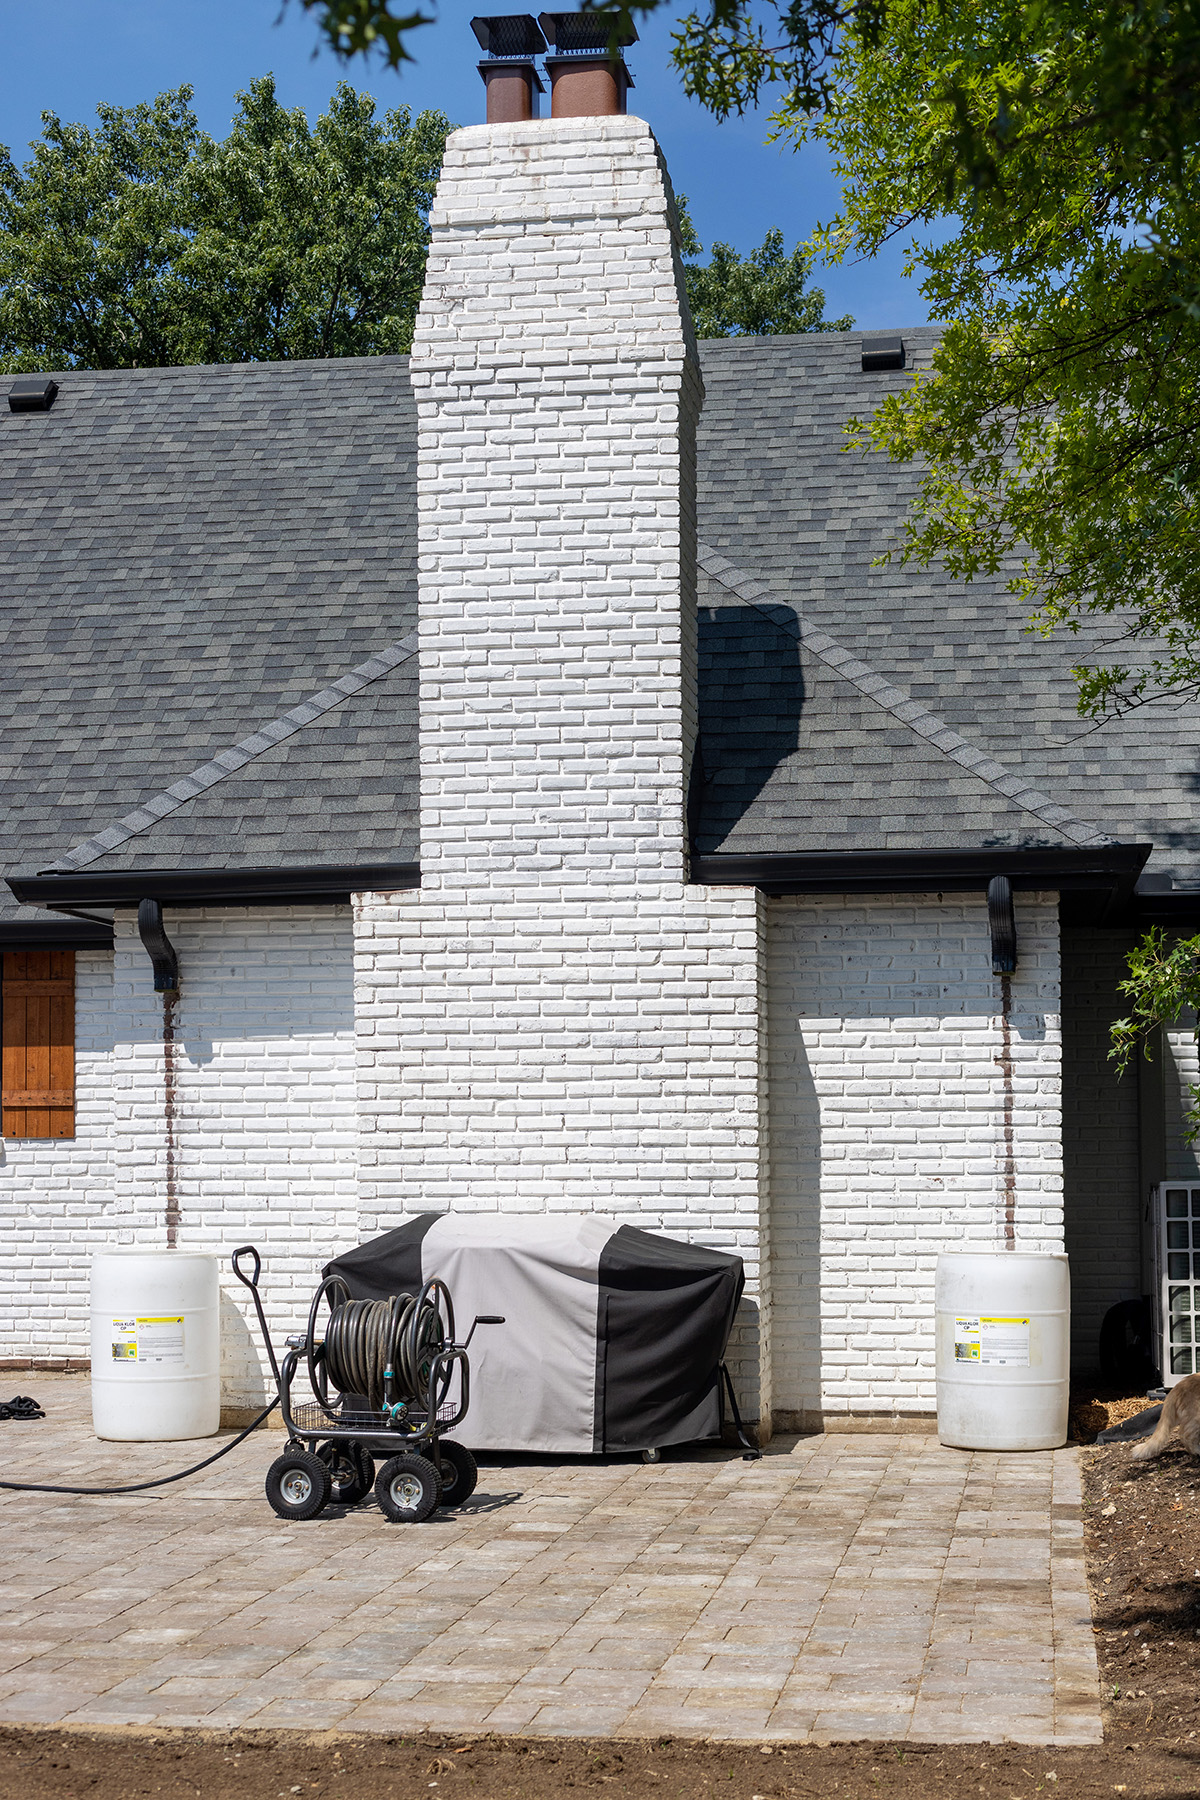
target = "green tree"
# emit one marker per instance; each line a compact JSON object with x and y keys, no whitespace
{"x":1162,"y":986}
{"x":726,"y":56}
{"x":1058,"y":427}
{"x":144,"y":242}
{"x":762,"y":294}
{"x":1127,"y":69}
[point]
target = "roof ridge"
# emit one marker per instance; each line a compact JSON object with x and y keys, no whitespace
{"x":238,"y":755}
{"x":908,"y":711}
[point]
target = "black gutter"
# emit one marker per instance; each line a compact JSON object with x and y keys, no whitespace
{"x":206,"y":887}
{"x":1178,"y":911}
{"x":1113,"y":868}
{"x":55,"y":935}
{"x":1102,"y":877}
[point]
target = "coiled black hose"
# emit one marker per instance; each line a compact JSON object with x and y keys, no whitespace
{"x":383,"y":1349}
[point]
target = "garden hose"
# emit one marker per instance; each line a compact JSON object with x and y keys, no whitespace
{"x":21,"y":1406}
{"x":383,"y":1350}
{"x":139,"y":1487}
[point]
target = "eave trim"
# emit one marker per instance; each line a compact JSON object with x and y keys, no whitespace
{"x":35,"y":936}
{"x":202,"y":887}
{"x":1111,"y":867}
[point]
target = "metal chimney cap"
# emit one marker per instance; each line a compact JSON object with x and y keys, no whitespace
{"x":509,"y":34}
{"x":33,"y":393}
{"x":583,"y":33}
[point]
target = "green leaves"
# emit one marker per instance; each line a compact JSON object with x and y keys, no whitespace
{"x":89,"y":234}
{"x":764,"y":293}
{"x":727,"y":54}
{"x":144,"y":242}
{"x":1041,"y":161}
{"x":358,"y":27}
{"x":1162,"y":985}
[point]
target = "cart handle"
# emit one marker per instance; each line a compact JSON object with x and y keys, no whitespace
{"x":482,"y":1319}
{"x":251,"y":1281}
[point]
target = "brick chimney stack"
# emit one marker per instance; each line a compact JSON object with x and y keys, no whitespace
{"x":561,"y":1021}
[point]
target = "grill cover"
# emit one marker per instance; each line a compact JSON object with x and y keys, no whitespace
{"x":612,"y":1340}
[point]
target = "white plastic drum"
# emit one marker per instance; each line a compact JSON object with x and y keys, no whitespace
{"x":1003,"y":1351}
{"x":156,"y":1345}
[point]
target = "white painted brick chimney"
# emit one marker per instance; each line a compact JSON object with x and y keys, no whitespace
{"x":557,"y":1020}
{"x":557,"y":390}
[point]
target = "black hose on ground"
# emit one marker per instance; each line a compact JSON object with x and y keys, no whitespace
{"x":21,"y":1406}
{"x":139,"y":1487}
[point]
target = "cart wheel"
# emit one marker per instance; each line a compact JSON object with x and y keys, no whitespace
{"x":460,"y":1473}
{"x":408,"y":1488}
{"x":651,"y":1456}
{"x":298,"y":1485}
{"x":351,"y":1471}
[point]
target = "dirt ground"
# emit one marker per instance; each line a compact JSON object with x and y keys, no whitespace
{"x":119,"y":1765}
{"x":1142,"y":1542}
{"x":1142,"y":1523}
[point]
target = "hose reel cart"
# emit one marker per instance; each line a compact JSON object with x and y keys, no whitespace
{"x":387,"y":1379}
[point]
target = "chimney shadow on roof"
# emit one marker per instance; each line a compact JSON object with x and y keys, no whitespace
{"x":751,"y":695}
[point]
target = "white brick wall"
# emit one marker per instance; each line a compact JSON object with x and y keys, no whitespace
{"x":264,"y":1134}
{"x":56,"y":1195}
{"x":600,"y":1054}
{"x":887,"y":1140}
{"x":265,"y":1129}
{"x":1181,"y":1073}
{"x":557,"y":391}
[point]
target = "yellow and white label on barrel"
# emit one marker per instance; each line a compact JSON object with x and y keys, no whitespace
{"x":155,"y":1341}
{"x":1001,"y":1343}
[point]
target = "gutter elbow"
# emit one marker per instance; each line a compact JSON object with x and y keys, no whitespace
{"x":158,"y":947}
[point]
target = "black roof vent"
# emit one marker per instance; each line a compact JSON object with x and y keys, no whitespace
{"x":583,"y":34}
{"x":509,"y":34}
{"x":33,"y":393}
{"x":882,"y":353}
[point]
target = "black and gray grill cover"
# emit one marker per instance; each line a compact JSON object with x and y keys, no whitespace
{"x":612,"y":1340}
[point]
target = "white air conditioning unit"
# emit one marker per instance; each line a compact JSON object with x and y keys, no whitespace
{"x":1176,"y":1225}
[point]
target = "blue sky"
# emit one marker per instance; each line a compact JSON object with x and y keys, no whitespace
{"x":66,"y":56}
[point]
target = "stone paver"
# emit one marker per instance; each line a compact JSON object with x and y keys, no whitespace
{"x":871,"y":1586}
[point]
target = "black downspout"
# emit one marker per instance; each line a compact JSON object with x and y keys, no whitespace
{"x":161,"y":952}
{"x":1002,"y":923}
{"x":158,"y":947}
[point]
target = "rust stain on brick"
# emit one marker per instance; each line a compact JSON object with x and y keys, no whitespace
{"x":1006,"y":1070}
{"x":170,"y":1113}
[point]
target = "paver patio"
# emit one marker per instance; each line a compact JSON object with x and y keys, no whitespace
{"x":844,"y":1587}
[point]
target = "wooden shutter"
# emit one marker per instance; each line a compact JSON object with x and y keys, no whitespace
{"x":37,"y":1043}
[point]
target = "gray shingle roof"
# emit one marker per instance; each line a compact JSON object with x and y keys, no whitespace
{"x":189,"y":554}
{"x":185,"y":554}
{"x":782,"y":500}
